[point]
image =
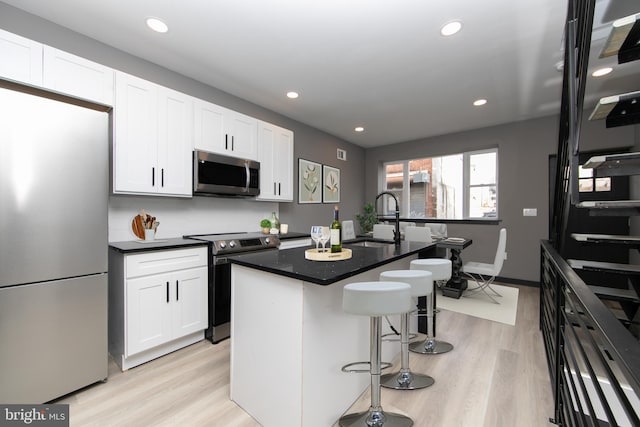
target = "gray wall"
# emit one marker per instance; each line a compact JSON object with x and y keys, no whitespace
{"x":523,"y":156}
{"x":310,"y":143}
{"x":524,"y":148}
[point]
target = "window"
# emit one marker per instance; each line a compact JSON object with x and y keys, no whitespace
{"x":457,"y":186}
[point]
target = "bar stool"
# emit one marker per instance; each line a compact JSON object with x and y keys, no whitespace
{"x":421,"y":284}
{"x":440,"y":269}
{"x":375,"y":299}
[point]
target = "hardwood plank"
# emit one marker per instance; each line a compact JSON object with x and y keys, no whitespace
{"x":495,"y":376}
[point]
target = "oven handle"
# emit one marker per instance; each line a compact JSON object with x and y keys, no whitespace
{"x":246,"y":168}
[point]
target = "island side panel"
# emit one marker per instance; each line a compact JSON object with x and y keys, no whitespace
{"x":331,"y":339}
{"x":266,"y":346}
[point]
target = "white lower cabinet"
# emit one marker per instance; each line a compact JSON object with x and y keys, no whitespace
{"x":157,"y":303}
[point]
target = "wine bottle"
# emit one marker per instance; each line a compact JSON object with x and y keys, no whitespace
{"x":336,"y":232}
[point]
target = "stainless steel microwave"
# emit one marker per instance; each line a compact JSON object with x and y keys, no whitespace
{"x":216,"y":174}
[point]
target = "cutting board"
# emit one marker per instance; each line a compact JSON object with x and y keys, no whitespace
{"x":137,"y":227}
{"x":316,"y":255}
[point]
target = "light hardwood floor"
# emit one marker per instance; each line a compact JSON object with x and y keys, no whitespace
{"x":495,"y":376}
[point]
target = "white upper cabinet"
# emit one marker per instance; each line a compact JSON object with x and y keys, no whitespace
{"x":223,"y":131}
{"x":152,"y":139}
{"x":20,"y":59}
{"x":70,"y":74}
{"x":175,"y":142}
{"x":33,"y":63}
{"x":275,"y":153}
{"x":135,"y":141}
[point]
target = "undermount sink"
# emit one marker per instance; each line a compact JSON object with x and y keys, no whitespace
{"x":369,"y":244}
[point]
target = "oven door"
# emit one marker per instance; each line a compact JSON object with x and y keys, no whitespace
{"x":219,"y":302}
{"x":220,"y":297}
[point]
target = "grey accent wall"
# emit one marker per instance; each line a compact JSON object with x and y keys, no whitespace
{"x":310,"y":143}
{"x":524,"y":148}
{"x":523,"y":156}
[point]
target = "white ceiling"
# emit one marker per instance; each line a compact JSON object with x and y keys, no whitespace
{"x":381,"y":64}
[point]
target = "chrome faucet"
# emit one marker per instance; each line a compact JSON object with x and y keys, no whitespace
{"x":396,"y":233}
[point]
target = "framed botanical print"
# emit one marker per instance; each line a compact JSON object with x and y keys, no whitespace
{"x":309,"y":181}
{"x":330,"y":184}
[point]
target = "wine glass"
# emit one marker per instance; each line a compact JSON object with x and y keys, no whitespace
{"x":316,"y":232}
{"x":324,"y":237}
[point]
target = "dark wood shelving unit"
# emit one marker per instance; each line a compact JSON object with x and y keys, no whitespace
{"x":590,"y":327}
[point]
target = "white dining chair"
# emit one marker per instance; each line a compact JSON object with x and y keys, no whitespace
{"x":417,"y":234}
{"x":383,"y":231}
{"x":438,"y":230}
{"x":404,"y":225}
{"x":484,"y":273}
{"x":348,"y":231}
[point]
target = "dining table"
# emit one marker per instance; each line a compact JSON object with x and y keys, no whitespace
{"x":457,"y":284}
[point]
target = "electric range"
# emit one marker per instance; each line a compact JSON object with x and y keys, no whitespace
{"x":221,"y":247}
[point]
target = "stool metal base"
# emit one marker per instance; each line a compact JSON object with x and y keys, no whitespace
{"x":437,"y":347}
{"x":406,"y":381}
{"x":375,"y":419}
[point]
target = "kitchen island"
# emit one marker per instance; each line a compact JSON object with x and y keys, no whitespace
{"x":290,"y":337}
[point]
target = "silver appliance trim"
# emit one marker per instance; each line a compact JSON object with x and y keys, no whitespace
{"x":226,"y":244}
{"x":54,"y":180}
{"x":222,"y":248}
{"x":221,"y":176}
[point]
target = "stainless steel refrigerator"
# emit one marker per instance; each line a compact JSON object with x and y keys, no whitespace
{"x":53,"y":246}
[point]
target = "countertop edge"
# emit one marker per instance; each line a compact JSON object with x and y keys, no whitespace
{"x":334,"y":279}
{"x":133,"y":246}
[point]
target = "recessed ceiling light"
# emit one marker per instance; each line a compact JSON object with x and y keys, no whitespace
{"x":292,"y":95}
{"x":359,"y":129}
{"x":157,"y":25}
{"x":479,"y":102}
{"x":450,"y":28}
{"x":602,"y":72}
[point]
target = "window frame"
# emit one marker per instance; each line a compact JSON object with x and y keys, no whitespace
{"x":466,"y":186}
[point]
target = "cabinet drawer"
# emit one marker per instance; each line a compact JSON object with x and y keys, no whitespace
{"x":164,"y":261}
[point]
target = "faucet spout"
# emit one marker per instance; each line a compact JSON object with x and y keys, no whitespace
{"x":396,"y":233}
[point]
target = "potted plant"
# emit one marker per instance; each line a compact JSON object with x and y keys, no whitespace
{"x":368,"y":218}
{"x":265,"y":224}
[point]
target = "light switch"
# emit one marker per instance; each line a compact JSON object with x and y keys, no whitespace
{"x":530,"y":212}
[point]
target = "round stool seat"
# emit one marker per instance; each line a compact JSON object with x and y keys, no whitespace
{"x":376,"y":298}
{"x":421,"y":282}
{"x":440,"y":268}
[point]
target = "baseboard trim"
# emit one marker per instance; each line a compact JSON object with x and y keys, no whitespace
{"x":500,"y":279}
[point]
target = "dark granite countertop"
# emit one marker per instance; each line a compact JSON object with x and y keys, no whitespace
{"x":156,"y":245}
{"x":294,"y":235}
{"x":292,"y":263}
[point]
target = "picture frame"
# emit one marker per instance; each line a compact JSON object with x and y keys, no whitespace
{"x":309,"y":181}
{"x":330,"y":184}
